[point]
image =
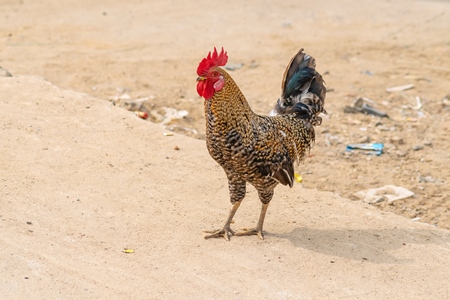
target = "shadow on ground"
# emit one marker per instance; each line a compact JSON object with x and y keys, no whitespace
{"x":363,"y":245}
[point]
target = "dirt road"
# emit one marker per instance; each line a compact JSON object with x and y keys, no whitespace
{"x":82,"y":178}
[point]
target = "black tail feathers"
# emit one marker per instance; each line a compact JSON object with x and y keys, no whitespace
{"x":302,"y":90}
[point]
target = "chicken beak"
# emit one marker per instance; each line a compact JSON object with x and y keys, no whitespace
{"x":201,"y":78}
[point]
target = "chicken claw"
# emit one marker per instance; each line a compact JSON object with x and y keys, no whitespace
{"x":225,"y":232}
{"x":253,"y":231}
{"x":259,"y":227}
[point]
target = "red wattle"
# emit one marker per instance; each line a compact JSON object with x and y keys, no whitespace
{"x":205,"y":89}
{"x":200,"y":88}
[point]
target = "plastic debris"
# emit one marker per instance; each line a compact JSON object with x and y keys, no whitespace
{"x":426,"y":179}
{"x":388,"y":192}
{"x":418,"y":104}
{"x":399,"y":88}
{"x":172,"y":113}
{"x":371,"y":149}
{"x":298,"y":178}
{"x":361,"y":105}
{"x":141,"y":114}
{"x":127,"y":250}
{"x":417,"y":78}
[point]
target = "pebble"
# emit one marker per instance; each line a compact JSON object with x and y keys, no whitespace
{"x":364,"y":140}
{"x":384,"y":128}
{"x":253,"y":64}
{"x":396,"y":140}
{"x":446,"y":101}
{"x":232,"y":67}
{"x":401,"y":153}
{"x":368,"y":72}
{"x":427,"y":179}
{"x":417,"y":148}
{"x":4,"y":73}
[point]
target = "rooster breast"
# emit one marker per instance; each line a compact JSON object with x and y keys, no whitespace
{"x":254,"y":149}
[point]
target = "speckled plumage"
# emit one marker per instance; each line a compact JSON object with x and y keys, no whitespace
{"x":260,"y":150}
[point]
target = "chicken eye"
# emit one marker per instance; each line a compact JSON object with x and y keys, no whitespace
{"x":215,"y":74}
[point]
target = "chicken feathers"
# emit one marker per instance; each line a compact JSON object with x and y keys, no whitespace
{"x":260,"y":150}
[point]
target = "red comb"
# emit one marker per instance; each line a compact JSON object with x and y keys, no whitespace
{"x":214,"y":60}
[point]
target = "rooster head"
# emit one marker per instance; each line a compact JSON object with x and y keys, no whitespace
{"x":210,"y":79}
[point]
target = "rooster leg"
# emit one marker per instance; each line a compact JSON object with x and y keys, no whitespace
{"x":226,"y":231}
{"x":259,"y":227}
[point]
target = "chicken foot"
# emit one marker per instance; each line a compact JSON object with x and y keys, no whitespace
{"x":259,"y":227}
{"x":226,"y":230}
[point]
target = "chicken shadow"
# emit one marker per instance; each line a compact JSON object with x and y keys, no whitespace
{"x":371,"y":245}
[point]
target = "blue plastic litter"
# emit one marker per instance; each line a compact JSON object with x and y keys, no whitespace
{"x":371,"y":149}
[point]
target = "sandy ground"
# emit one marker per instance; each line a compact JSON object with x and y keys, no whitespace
{"x":82,"y":178}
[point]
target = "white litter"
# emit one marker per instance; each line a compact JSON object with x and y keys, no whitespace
{"x":172,"y":113}
{"x":399,"y":88}
{"x":388,"y":192}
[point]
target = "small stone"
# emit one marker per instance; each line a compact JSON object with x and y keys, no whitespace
{"x":233,"y":67}
{"x":446,"y":101}
{"x":176,"y":147}
{"x":4,"y":73}
{"x":383,"y":128}
{"x":368,"y":72}
{"x":396,"y":140}
{"x":417,"y":148}
{"x":401,"y":153}
{"x":253,"y":65}
{"x":364,"y":140}
{"x":428,"y":179}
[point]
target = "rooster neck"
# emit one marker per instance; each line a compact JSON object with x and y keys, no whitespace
{"x":225,"y":112}
{"x":228,"y":105}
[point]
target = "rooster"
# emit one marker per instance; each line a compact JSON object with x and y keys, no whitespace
{"x":260,"y":150}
